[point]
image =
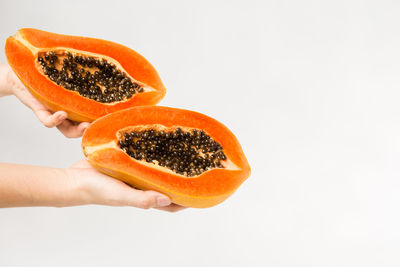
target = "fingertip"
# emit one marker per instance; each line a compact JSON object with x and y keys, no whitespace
{"x":163,"y":201}
{"x":152,"y":199}
{"x":83,"y":126}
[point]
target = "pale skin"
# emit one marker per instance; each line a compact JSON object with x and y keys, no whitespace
{"x":27,"y":186}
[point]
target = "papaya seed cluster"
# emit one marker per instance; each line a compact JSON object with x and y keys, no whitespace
{"x":91,"y":77}
{"x":187,"y":153}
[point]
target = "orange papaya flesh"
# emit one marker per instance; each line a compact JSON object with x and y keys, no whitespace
{"x":102,"y":147}
{"x":85,"y":88}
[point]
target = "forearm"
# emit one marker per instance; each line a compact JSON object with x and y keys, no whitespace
{"x":5,"y":86}
{"x":24,"y":185}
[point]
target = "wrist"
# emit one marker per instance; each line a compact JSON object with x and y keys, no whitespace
{"x":78,"y":188}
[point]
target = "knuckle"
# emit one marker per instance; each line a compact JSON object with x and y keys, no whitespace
{"x":145,"y":203}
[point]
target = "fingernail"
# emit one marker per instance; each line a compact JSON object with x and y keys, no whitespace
{"x":85,"y":125}
{"x":163,"y":201}
{"x":61,"y":116}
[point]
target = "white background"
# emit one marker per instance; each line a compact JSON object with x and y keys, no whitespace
{"x":311,"y":90}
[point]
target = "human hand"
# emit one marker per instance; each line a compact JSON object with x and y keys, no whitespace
{"x":105,"y":190}
{"x":58,"y":119}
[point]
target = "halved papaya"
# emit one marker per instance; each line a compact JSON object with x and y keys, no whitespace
{"x":190,"y":157}
{"x":86,"y":77}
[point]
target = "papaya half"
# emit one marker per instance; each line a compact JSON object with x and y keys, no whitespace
{"x":188,"y":156}
{"x":86,"y":77}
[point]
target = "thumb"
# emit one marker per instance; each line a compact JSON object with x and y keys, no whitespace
{"x":82,"y":164}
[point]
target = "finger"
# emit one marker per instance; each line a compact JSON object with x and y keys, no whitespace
{"x":83,"y":126}
{"x":70,"y":130}
{"x":171,"y":208}
{"x":146,"y":199}
{"x":50,"y":120}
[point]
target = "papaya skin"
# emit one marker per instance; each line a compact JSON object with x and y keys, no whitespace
{"x":176,"y":197}
{"x":100,"y":147}
{"x":22,"y":50}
